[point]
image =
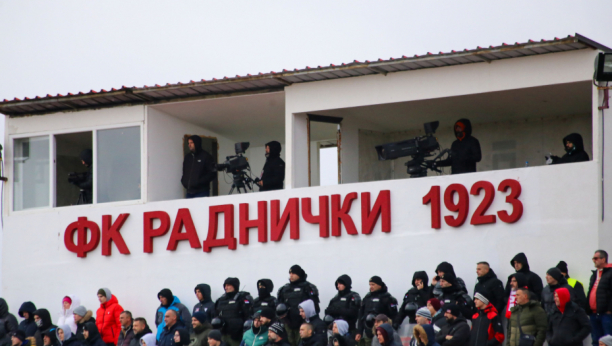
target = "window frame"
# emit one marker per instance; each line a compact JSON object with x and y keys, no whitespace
{"x":52,"y":170}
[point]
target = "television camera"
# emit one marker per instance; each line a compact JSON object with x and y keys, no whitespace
{"x":238,"y":166}
{"x":418,"y":148}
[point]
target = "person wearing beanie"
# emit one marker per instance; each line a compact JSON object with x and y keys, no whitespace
{"x":422,"y":318}
{"x":28,"y":326}
{"x":346,"y":303}
{"x":442,"y":269}
{"x":233,"y":308}
{"x":555,"y":280}
{"x":277,"y":335}
{"x":292,"y":294}
{"x":257,"y":334}
{"x":452,"y":294}
{"x":18,"y":338}
{"x":416,"y":297}
{"x":487,"y":281}
{"x":42,"y":318}
{"x":377,"y":301}
{"x":569,"y":325}
{"x":579,"y":294}
{"x":437,"y":315}
{"x":533,"y":280}
{"x":198,"y":169}
{"x":457,"y":330}
{"x":265,"y":287}
{"x":487,"y":328}
{"x":167,"y":301}
{"x":273,"y":172}
{"x":215,"y":338}
{"x":81,"y":316}
{"x":66,"y":315}
{"x":107,"y":317}
{"x":140,"y":328}
{"x":205,"y":303}
{"x":201,"y":327}
{"x":267,"y":315}
{"x":605,"y":341}
{"x":533,"y":319}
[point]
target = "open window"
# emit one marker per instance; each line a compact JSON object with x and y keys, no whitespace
{"x":324,"y":148}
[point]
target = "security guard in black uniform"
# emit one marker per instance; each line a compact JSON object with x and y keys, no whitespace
{"x":345,"y":305}
{"x":377,"y":301}
{"x":233,"y":308}
{"x":291,"y":295}
{"x":265,"y":299}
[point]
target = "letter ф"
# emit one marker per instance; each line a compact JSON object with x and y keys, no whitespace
{"x":82,"y":246}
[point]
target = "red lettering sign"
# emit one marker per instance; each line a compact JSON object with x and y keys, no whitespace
{"x":110,"y":234}
{"x":213,"y":225}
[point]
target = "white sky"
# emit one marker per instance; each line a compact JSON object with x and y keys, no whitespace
{"x":50,"y":47}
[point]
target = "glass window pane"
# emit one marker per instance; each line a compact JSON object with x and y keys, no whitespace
{"x":328,"y":169}
{"x":118,"y":164}
{"x":31,"y":173}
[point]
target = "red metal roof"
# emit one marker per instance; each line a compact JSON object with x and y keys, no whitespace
{"x":276,"y":81}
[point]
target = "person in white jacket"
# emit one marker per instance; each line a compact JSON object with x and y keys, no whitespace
{"x":66,"y":315}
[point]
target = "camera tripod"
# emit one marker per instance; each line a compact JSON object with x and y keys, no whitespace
{"x":83,"y":198}
{"x":241,"y":181}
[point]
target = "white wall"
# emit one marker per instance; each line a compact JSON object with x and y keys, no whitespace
{"x":550,"y":230}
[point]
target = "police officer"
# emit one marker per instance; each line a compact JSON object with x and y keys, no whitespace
{"x":416,"y":297}
{"x":291,"y":295}
{"x":233,"y":308}
{"x":377,"y":301}
{"x":345,"y":305}
{"x":265,"y":299}
{"x":452,"y":293}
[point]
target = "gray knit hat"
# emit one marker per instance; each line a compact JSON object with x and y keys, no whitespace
{"x":607,"y":340}
{"x":424,"y":312}
{"x":80,"y":310}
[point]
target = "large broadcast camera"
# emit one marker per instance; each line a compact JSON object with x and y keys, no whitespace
{"x":418,"y":148}
{"x":238,"y":166}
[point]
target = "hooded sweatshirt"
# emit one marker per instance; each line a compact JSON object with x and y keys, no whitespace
{"x":343,"y":327}
{"x":548,"y":293}
{"x":414,"y":299}
{"x":465,"y":151}
{"x":273,"y":174}
{"x":45,"y":324}
{"x":198,"y":168}
{"x":319,"y":327}
{"x":8,"y":324}
{"x":70,"y":339}
{"x":345,"y":305}
{"x":137,"y":336}
{"x":576,"y":154}
{"x":206,"y":305}
{"x":569,"y":325}
{"x":174,"y":304}
{"x":66,"y":316}
{"x":265,"y":298}
{"x":387,"y":333}
{"x":94,"y":338}
{"x":534,"y":282}
{"x":28,"y":325}
{"x":148,"y":339}
{"x":183,"y":338}
{"x":446,"y":267}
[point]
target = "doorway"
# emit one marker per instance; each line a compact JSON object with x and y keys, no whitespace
{"x":324,"y":149}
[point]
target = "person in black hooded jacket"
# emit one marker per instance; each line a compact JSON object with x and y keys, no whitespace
{"x":42,"y":318}
{"x":377,"y":301}
{"x":416,"y":297}
{"x":465,"y":151}
{"x":205,"y":303}
{"x":198,"y":169}
{"x":534,"y":282}
{"x":574,"y":149}
{"x":26,"y":311}
{"x":487,"y":281}
{"x":346,"y":303}
{"x":234,"y":308}
{"x":92,"y":335}
{"x":452,"y":294}
{"x":265,"y":288}
{"x":273,"y":173}
{"x":441,"y":269}
{"x":8,"y":324}
{"x":86,"y":182}
{"x":555,"y":280}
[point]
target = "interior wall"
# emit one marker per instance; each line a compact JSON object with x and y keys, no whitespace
{"x":68,"y":147}
{"x":504,"y":145}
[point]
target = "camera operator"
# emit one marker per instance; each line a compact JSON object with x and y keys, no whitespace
{"x":198,"y":169}
{"x":465,"y":151}
{"x":84,"y":181}
{"x":574,"y":151}
{"x":273,"y":174}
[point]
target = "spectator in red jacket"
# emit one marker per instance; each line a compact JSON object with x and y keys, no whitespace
{"x":487,"y":328}
{"x":108,"y":317}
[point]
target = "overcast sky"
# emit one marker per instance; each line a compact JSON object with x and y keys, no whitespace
{"x":50,"y":47}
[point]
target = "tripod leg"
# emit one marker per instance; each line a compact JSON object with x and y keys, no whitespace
{"x":232,"y":189}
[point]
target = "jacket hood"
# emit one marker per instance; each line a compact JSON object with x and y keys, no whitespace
{"x":205,"y":290}
{"x":87,"y":156}
{"x":197,"y":142}
{"x":184,"y":335}
{"x":297,"y":270}
{"x":111,"y":301}
{"x":268,"y":287}
{"x":45,"y":317}
{"x":275,"y":148}
{"x":420,"y":275}
{"x":431,"y":334}
{"x":343,"y":327}
{"x":521,"y":280}
{"x":3,"y":308}
{"x":389,"y":331}
{"x":234,"y":282}
{"x":94,"y":333}
{"x":521,"y":258}
{"x":564,"y":298}
{"x":76,"y":302}
{"x":576,"y":139}
{"x":345,"y":280}
{"x":52,"y":334}
{"x":67,"y":332}
{"x":148,"y":339}
{"x":490,"y":275}
{"x":28,"y":307}
{"x":467,"y":126}
{"x":446,"y":268}
{"x":166,"y":293}
{"x":309,"y":309}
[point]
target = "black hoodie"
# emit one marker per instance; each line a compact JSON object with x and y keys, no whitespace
{"x":465,"y":152}
{"x":576,"y":154}
{"x":234,"y":308}
{"x":534,"y":282}
{"x":46,"y":324}
{"x":265,"y":298}
{"x":273,"y":174}
{"x":417,"y":297}
{"x":490,"y":283}
{"x":28,"y":325}
{"x":445,"y":267}
{"x":94,"y":338}
{"x":8,"y":324}
{"x":548,"y":293}
{"x":345,"y":305}
{"x":205,"y":305}
{"x":198,"y":169}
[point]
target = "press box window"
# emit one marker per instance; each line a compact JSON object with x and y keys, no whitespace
{"x":31,"y":173}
